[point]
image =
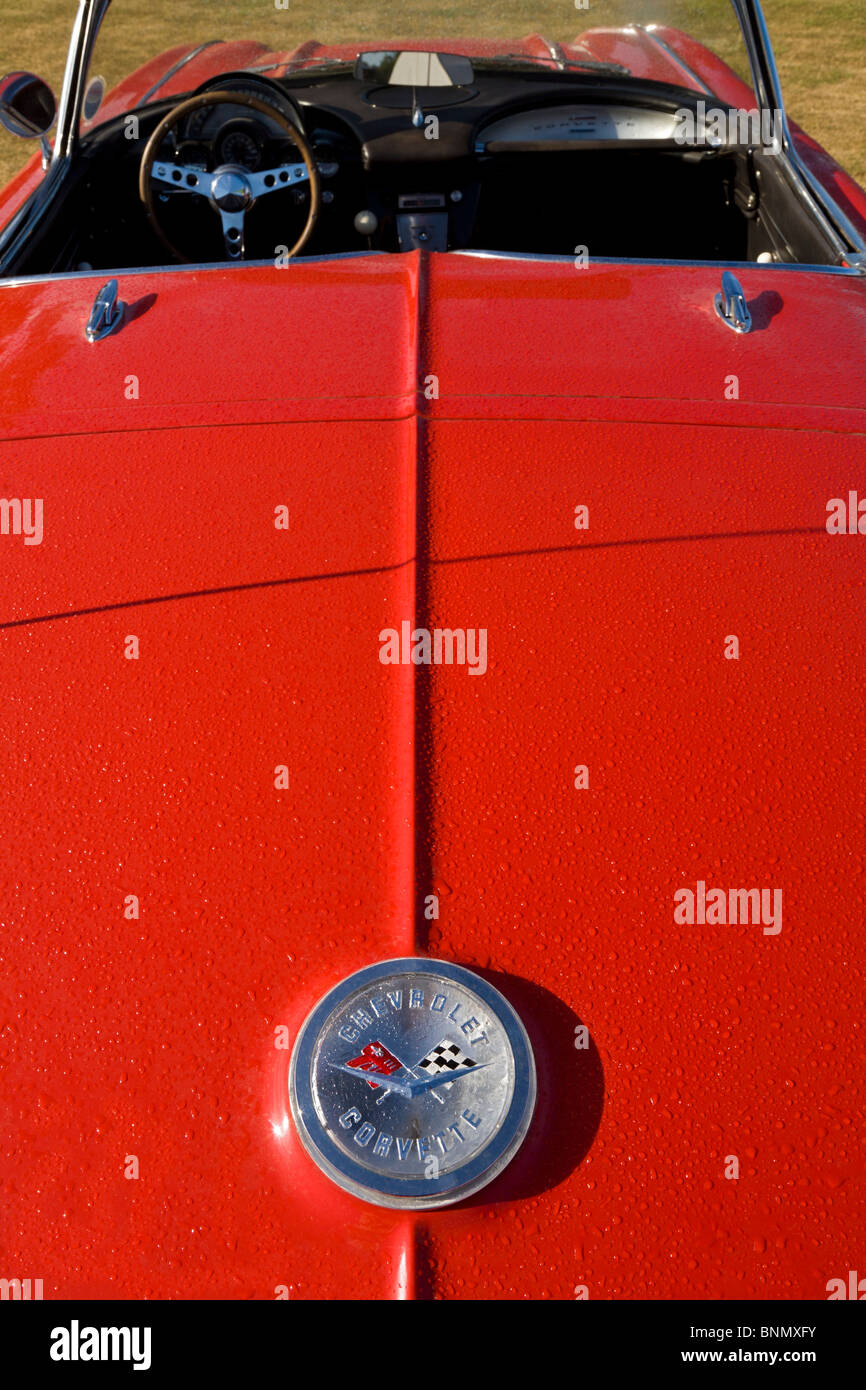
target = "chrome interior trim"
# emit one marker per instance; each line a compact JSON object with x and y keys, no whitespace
{"x":649,"y":30}
{"x":176,"y":67}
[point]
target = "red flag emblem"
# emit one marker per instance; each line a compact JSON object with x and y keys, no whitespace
{"x":376,"y":1058}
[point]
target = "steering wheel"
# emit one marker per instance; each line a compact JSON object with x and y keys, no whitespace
{"x":231,"y":189}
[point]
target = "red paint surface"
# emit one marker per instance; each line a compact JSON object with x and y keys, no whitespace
{"x":260,"y":647}
{"x":156,"y":777}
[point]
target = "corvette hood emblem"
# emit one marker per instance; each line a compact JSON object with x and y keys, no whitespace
{"x":412,"y":1083}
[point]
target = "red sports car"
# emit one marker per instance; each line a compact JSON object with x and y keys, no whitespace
{"x":432,"y":535}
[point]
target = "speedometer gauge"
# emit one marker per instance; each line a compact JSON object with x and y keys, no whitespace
{"x":240,"y":148}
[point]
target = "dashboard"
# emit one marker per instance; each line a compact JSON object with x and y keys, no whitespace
{"x":229,"y":135}
{"x":587,"y":123}
{"x":528,"y":161}
{"x":404,"y":168}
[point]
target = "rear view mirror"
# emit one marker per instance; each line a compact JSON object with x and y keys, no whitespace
{"x":27,"y":105}
{"x":395,"y":69}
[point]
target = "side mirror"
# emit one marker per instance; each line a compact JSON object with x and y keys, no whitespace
{"x":27,"y":105}
{"x":408,"y":69}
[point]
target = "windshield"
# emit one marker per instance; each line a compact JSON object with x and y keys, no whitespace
{"x":285,"y":36}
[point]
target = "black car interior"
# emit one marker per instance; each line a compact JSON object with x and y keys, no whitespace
{"x":412,"y":168}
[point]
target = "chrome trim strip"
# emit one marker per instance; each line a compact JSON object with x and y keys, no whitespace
{"x":542,"y":258}
{"x":773,"y":266}
{"x":117,"y":271}
{"x":760,"y":53}
{"x":87,"y":21}
{"x":176,"y":67}
{"x":649,"y":30}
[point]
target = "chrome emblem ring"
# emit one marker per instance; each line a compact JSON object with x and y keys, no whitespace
{"x":412,"y":1083}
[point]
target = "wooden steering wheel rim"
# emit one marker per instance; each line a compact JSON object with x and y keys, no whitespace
{"x":215,"y":98}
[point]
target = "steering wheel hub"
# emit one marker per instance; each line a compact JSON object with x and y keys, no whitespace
{"x":230,"y":189}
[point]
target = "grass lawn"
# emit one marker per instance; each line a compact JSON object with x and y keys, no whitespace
{"x":820,"y":44}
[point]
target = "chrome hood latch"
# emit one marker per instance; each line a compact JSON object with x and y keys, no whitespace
{"x":731,"y":304}
{"x":106,"y":314}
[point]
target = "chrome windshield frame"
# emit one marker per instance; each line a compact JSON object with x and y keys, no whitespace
{"x":91,"y":14}
{"x":88,"y":21}
{"x":768,"y":88}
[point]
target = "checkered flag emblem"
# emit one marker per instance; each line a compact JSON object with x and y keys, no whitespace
{"x":446,"y":1057}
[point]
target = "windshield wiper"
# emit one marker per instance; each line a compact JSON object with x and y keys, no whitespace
{"x":532,"y":60}
{"x":295,"y":65}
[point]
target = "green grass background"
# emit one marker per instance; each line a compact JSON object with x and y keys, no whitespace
{"x":820,"y":44}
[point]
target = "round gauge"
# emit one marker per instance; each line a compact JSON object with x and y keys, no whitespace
{"x":240,"y":148}
{"x":190,"y":152}
{"x":196,"y":122}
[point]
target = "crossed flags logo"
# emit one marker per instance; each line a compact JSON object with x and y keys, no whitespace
{"x":377,"y":1060}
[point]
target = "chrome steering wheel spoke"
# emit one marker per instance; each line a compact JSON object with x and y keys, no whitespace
{"x":233,"y":233}
{"x":272,"y":180}
{"x":232,"y":196}
{"x":184,"y":178}
{"x":231,"y":190}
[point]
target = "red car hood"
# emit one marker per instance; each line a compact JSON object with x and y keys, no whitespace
{"x":431,"y":425}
